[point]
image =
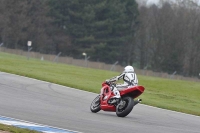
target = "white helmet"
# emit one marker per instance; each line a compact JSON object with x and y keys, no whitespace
{"x":128,"y":69}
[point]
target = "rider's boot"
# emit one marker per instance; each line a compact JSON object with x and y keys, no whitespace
{"x":117,"y":96}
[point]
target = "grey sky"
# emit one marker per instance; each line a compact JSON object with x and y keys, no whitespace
{"x":150,"y":2}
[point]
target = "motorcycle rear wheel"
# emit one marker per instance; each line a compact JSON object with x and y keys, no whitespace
{"x":95,"y":105}
{"x":126,"y":108}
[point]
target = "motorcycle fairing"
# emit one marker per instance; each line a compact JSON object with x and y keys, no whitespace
{"x":106,"y":94}
{"x":133,"y":92}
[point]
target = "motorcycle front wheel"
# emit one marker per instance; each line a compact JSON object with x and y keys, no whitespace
{"x":124,"y":107}
{"x":95,"y":105}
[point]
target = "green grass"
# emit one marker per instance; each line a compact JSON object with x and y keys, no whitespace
{"x":182,"y":96}
{"x":13,"y":129}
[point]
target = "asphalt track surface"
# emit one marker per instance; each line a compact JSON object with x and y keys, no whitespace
{"x":58,"y":106}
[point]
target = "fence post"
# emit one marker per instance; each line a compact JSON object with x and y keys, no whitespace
{"x":55,"y":59}
{"x":113,"y":66}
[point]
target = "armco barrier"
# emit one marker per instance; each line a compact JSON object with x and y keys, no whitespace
{"x":91,"y":64}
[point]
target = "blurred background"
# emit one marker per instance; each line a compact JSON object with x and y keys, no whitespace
{"x":158,"y":37}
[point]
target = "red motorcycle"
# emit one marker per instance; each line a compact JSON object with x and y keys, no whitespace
{"x":122,"y":106}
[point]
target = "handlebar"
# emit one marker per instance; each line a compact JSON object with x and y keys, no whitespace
{"x":110,"y":83}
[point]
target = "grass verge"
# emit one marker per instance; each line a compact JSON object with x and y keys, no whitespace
{"x":13,"y":129}
{"x":182,"y":96}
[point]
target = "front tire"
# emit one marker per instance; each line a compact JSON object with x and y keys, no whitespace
{"x":95,"y":105}
{"x":124,"y":109}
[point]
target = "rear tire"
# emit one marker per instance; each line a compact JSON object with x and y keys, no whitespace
{"x":95,"y":105}
{"x":126,"y":108}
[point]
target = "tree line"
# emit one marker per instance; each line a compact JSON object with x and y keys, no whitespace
{"x":168,"y":38}
{"x":160,"y":38}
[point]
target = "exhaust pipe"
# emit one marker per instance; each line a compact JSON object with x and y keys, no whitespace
{"x":137,"y":101}
{"x":140,"y":100}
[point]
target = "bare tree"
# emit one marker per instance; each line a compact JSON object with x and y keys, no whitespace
{"x":168,"y":37}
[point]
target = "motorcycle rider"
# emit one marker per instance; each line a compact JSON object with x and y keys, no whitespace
{"x":129,"y":77}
